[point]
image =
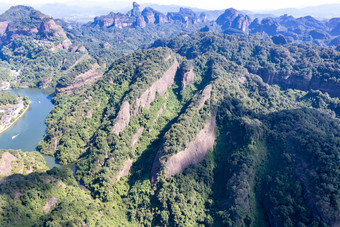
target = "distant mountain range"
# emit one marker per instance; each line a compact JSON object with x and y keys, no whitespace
{"x":85,"y":12}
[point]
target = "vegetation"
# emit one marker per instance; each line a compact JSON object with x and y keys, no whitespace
{"x":8,"y":98}
{"x":257,"y":153}
{"x":275,"y":157}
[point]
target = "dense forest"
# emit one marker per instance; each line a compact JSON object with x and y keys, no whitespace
{"x":7,"y":98}
{"x":191,"y":129}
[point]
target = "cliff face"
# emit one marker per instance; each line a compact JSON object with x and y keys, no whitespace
{"x":305,"y":29}
{"x":184,"y":15}
{"x":138,"y":18}
{"x":194,"y":153}
{"x":133,"y":18}
{"x":169,"y":164}
{"x":160,"y":86}
{"x":152,"y":16}
{"x":231,"y":18}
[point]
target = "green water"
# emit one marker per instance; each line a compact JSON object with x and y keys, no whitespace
{"x":26,"y":133}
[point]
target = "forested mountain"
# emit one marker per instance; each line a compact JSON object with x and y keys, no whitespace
{"x":194,"y":129}
{"x":38,"y":49}
{"x":193,"y":135}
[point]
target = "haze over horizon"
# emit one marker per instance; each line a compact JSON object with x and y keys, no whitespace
{"x":260,"y":5}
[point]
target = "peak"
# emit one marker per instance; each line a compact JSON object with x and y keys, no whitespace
{"x":135,"y":4}
{"x":21,"y":11}
{"x":231,"y":11}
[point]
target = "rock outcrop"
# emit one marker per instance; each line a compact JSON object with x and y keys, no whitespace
{"x":194,"y":153}
{"x":160,"y":86}
{"x":152,"y":16}
{"x":82,"y":80}
{"x":133,"y":18}
{"x":123,"y":118}
{"x":184,"y":15}
{"x":6,"y":163}
{"x":231,"y":18}
{"x":52,"y":202}
{"x":136,"y":18}
{"x":125,"y":169}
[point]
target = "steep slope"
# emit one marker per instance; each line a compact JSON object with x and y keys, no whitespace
{"x":197,"y":134}
{"x":132,"y":82}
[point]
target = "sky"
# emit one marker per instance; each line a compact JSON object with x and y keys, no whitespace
{"x":203,"y":4}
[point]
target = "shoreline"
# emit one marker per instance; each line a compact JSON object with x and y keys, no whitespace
{"x":18,"y":117}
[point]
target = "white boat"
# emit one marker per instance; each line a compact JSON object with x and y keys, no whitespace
{"x":13,"y":137}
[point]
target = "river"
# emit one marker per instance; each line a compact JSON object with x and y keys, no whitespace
{"x":27,"y":132}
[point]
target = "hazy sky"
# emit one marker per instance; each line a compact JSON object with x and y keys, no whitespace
{"x":204,"y":4}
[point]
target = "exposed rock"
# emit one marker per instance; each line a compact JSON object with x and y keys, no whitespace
{"x":152,"y":16}
{"x":194,"y":153}
{"x":231,"y":18}
{"x":188,"y":78}
{"x":82,"y":79}
{"x":52,"y":202}
{"x":135,"y":12}
{"x":184,"y":15}
{"x":3,"y":27}
{"x":134,"y":18}
{"x":118,"y":20}
{"x":160,"y":86}
{"x":206,"y":94}
{"x":187,"y":73}
{"x":6,"y":163}
{"x":140,"y":22}
{"x":122,"y":119}
{"x":126,"y":169}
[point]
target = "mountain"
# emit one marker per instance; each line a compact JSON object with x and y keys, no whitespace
{"x":302,"y":29}
{"x":236,"y":125}
{"x":231,"y":18}
{"x":40,"y":51}
{"x":223,"y":128}
{"x":138,"y":18}
{"x":22,"y":21}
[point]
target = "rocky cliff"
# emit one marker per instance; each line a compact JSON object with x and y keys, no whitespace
{"x":138,"y":18}
{"x":133,"y":18}
{"x":231,"y":18}
{"x":306,"y":29}
{"x":160,"y":86}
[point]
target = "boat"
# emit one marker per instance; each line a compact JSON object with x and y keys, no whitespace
{"x":13,"y":137}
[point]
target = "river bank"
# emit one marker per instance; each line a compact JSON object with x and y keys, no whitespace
{"x":15,"y":116}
